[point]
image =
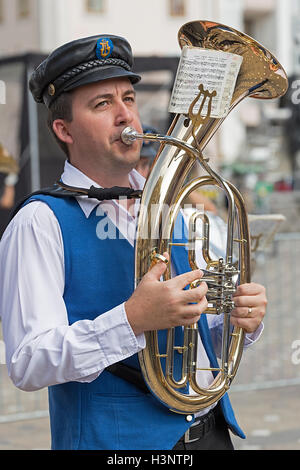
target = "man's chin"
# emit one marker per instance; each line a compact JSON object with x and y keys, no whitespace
{"x":126,"y":161}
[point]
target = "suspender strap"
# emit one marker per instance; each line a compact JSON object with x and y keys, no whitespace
{"x":129,"y":374}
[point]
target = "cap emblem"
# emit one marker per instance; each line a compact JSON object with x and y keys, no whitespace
{"x":104,"y":48}
{"x":51,"y":89}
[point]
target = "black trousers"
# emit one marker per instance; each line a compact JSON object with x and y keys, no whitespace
{"x":217,"y":438}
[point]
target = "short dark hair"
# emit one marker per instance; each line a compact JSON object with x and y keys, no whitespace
{"x":61,"y":108}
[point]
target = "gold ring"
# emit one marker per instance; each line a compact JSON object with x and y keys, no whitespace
{"x":195,"y":284}
{"x":157,"y":257}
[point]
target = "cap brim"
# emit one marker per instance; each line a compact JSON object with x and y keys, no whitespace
{"x":100,"y":74}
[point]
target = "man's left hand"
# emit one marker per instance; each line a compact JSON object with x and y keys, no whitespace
{"x":250,"y":306}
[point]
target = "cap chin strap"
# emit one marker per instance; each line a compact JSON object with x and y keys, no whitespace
{"x":96,"y":63}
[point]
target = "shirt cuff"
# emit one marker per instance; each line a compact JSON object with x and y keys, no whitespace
{"x":251,"y":338}
{"x":116,"y":337}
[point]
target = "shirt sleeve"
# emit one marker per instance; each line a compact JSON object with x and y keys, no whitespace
{"x":42,"y":349}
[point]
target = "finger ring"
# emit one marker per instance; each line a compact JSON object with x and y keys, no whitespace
{"x":155,"y":257}
{"x":249,"y":310}
{"x":162,"y":258}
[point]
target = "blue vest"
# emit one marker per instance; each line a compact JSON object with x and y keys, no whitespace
{"x":109,"y":412}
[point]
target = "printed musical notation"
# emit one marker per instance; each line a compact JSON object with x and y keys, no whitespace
{"x":215,"y":70}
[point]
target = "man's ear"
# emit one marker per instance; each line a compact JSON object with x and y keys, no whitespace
{"x":60,"y":127}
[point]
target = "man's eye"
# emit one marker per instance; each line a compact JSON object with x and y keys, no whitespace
{"x":101,"y":104}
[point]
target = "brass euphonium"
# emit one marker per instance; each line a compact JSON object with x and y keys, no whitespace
{"x":260,"y":76}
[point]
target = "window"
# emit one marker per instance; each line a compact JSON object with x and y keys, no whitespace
{"x":95,"y":6}
{"x":177,"y":7}
{"x":23,"y":8}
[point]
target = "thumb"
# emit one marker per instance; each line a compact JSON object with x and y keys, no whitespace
{"x":158,"y":266}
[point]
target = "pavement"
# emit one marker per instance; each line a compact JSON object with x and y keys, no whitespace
{"x":31,"y":434}
{"x":269,"y":418}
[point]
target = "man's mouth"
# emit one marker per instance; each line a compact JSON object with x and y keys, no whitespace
{"x":116,"y":138}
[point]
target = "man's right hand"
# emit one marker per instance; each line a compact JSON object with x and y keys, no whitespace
{"x":156,"y":305}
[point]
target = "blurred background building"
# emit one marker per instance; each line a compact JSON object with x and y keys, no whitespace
{"x":257,"y":148}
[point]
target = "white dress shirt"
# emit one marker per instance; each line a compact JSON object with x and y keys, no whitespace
{"x":42,"y":349}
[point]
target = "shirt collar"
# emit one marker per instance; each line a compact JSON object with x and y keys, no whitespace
{"x":74,"y":177}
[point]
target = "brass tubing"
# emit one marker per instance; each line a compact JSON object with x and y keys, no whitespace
{"x":260,"y":76}
{"x":170,"y":362}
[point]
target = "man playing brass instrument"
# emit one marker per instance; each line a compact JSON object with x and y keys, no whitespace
{"x":68,"y":305}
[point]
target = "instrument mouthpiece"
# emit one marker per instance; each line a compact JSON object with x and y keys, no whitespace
{"x":129,"y":135}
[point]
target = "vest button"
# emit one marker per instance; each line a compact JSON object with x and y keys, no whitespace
{"x":189,"y":418}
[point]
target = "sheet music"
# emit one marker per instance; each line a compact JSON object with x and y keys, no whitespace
{"x":216,"y":70}
{"x":263,"y":228}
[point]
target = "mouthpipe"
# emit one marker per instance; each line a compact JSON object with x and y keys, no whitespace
{"x":129,"y":135}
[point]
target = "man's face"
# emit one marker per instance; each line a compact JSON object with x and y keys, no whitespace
{"x":100,"y":113}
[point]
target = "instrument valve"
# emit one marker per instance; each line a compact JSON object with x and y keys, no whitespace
{"x":228,"y":305}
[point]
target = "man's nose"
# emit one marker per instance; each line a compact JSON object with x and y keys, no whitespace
{"x":123,"y":114}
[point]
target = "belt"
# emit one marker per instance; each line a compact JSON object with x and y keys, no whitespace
{"x":202,"y":426}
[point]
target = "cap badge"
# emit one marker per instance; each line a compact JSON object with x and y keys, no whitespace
{"x":51,"y":89}
{"x":104,"y":48}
